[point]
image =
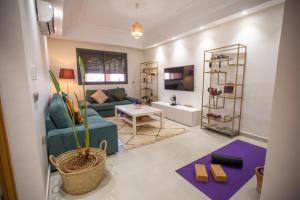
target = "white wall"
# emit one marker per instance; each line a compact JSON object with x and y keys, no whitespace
{"x":62,"y":54}
{"x":23,"y":47}
{"x":282,"y":177}
{"x":260,"y":32}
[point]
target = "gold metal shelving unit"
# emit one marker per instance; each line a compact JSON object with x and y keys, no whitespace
{"x":223,"y":73}
{"x":148,"y":82}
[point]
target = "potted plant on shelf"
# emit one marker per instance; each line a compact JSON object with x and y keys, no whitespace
{"x":81,"y":169}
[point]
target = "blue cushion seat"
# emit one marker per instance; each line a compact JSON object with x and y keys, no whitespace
{"x":102,"y":106}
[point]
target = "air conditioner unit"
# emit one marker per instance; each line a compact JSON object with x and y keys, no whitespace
{"x":45,"y":15}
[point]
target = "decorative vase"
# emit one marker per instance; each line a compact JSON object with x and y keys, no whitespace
{"x":85,"y":180}
{"x":259,"y":171}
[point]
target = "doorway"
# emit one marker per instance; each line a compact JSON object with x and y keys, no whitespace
{"x":7,"y":183}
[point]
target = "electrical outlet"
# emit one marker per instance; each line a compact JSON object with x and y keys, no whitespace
{"x":43,"y":140}
{"x":35,"y":96}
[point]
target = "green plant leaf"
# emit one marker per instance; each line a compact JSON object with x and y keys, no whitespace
{"x":75,"y":133}
{"x":78,"y":104}
{"x":82,"y":69}
{"x":85,"y":121}
{"x":54,"y":81}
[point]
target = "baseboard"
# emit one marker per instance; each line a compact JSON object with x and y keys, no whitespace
{"x":256,"y":137}
{"x":48,"y":183}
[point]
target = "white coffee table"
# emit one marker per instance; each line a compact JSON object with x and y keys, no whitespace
{"x":132,"y":112}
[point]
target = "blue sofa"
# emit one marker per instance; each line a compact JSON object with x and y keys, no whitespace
{"x":60,"y":137}
{"x":107,"y":109}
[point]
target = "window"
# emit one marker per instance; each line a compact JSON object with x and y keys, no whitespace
{"x":102,"y":67}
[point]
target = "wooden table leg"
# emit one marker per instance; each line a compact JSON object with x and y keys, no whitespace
{"x":134,"y":124}
{"x":161,"y":120}
{"x":116,"y":115}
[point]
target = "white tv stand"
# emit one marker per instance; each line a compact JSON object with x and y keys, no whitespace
{"x":182,"y":114}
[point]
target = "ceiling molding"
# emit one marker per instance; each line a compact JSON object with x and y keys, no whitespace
{"x":218,"y":22}
{"x":164,"y":21}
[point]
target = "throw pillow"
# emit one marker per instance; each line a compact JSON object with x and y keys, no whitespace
{"x":119,"y":94}
{"x":99,"y":96}
{"x":72,"y":110}
{"x":59,"y":113}
{"x":88,"y":94}
{"x":109,"y":93}
{"x":78,"y":117}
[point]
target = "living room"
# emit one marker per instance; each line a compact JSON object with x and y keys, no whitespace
{"x":149,"y":99}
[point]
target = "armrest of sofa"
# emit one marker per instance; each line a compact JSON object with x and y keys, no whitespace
{"x":132,"y":99}
{"x":62,"y":140}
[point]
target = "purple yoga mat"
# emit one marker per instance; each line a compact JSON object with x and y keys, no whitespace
{"x":252,"y":156}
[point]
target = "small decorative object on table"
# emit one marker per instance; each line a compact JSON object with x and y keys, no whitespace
{"x":138,"y":104}
{"x":213,"y":92}
{"x":229,"y":89}
{"x":173,"y":100}
{"x":213,"y":116}
{"x":219,"y":57}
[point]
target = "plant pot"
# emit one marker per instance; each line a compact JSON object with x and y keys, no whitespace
{"x":85,"y":180}
{"x":259,"y":178}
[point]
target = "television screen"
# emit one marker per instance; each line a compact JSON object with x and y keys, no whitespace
{"x":180,"y":78}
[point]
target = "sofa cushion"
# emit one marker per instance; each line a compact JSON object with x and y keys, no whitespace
{"x":58,"y":112}
{"x":91,"y":112}
{"x":99,"y":96}
{"x":72,"y":109}
{"x":96,"y":120}
{"x":49,"y":123}
{"x":109,"y":93}
{"x":119,"y":94}
{"x":88,"y":94}
{"x":132,"y":99}
{"x":103,"y":106}
{"x":118,"y":103}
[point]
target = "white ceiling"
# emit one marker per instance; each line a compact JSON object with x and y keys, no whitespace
{"x":108,"y":21}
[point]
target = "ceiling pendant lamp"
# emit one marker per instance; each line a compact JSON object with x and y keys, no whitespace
{"x":136,"y":28}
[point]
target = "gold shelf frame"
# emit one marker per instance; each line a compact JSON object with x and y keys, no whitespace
{"x":237,"y":59}
{"x":148,"y":88}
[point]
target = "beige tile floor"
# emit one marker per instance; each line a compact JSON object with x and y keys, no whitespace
{"x":148,"y":172}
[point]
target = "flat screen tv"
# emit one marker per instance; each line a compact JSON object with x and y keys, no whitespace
{"x":179,"y":78}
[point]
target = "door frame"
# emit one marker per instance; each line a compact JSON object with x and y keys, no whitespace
{"x":6,"y":171}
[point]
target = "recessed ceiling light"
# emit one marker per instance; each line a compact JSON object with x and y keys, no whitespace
{"x":202,"y":28}
{"x":244,"y":12}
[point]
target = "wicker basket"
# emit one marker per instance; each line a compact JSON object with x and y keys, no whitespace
{"x":81,"y":182}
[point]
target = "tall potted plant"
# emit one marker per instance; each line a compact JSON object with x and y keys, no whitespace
{"x":81,"y":169}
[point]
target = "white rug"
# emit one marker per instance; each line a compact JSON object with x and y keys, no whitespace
{"x":146,"y":134}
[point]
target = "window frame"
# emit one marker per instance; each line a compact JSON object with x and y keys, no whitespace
{"x":80,"y":51}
